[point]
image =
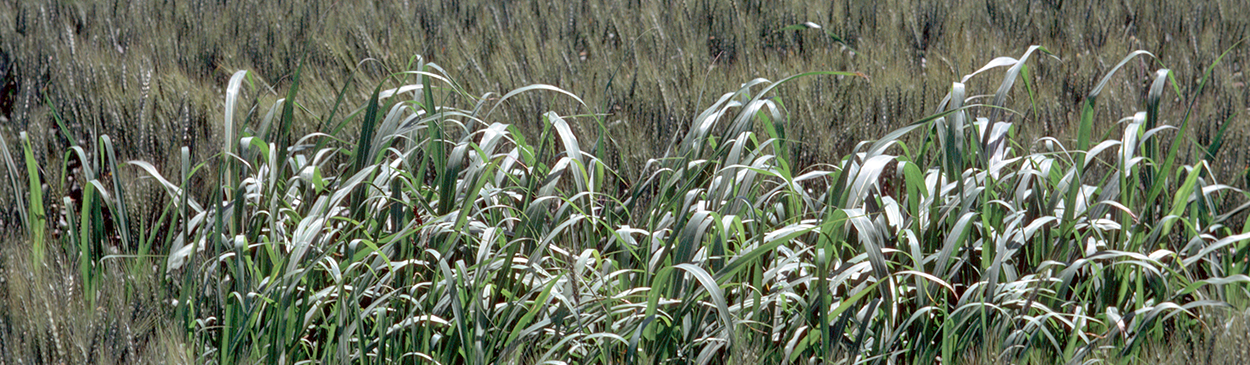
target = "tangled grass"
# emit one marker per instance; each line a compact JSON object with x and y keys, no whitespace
{"x":828,"y":217}
{"x":443,"y":233}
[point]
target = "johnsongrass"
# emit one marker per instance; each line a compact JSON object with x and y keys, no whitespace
{"x":442,"y":234}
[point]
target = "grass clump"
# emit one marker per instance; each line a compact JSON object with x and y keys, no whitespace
{"x":442,"y":234}
{"x":644,"y":225}
{"x":429,"y":223}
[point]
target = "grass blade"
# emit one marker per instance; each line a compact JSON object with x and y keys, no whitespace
{"x":37,"y":223}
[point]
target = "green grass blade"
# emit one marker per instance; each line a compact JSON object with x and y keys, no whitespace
{"x":718,"y":297}
{"x":37,"y":224}
{"x":120,"y":205}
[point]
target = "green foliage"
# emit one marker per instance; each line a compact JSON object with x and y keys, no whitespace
{"x":429,"y":224}
{"x":36,"y":224}
{"x":444,"y":235}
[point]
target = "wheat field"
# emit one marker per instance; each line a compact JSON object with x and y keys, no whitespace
{"x":623,"y":182}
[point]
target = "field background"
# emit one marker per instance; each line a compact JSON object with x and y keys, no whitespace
{"x":152,"y":75}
